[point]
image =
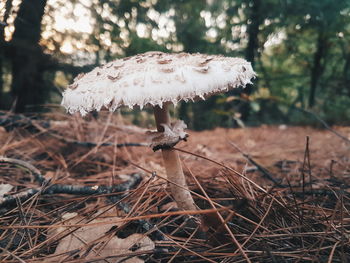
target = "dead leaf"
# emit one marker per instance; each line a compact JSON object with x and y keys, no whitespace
{"x":119,"y":246}
{"x":94,"y":241}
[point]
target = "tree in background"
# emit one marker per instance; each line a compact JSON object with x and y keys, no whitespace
{"x":6,"y":9}
{"x":300,"y":50}
{"x":305,"y":67}
{"x":320,"y":23}
{"x":28,"y":65}
{"x":244,"y":27}
{"x":191,"y":36}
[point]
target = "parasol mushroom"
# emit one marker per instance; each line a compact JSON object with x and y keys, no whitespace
{"x":158,"y":79}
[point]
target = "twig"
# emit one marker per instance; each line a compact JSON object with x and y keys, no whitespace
{"x":35,"y":172}
{"x":306,"y":162}
{"x":264,"y":171}
{"x":135,"y":179}
{"x":10,"y":199}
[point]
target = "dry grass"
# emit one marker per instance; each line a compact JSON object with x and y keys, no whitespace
{"x":244,"y":217}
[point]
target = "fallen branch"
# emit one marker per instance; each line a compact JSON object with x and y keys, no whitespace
{"x":135,"y":179}
{"x":22,"y":196}
{"x":47,"y":189}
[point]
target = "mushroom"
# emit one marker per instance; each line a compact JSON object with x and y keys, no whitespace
{"x":159,"y":79}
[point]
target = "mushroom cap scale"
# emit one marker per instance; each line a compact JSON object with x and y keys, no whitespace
{"x":155,"y":78}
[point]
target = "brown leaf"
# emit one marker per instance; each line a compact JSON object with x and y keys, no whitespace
{"x":94,"y":241}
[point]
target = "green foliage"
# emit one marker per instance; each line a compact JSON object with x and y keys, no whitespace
{"x":141,"y":45}
{"x":300,"y":50}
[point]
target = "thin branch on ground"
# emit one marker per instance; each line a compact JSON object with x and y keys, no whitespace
{"x":47,"y":189}
{"x":34,"y":171}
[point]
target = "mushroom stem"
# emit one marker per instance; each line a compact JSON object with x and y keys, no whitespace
{"x":173,"y":166}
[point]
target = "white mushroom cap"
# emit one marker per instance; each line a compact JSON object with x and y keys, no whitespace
{"x":155,"y":78}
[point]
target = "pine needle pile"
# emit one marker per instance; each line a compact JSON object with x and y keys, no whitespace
{"x":74,"y":190}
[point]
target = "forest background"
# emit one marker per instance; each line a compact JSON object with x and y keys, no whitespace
{"x":300,"y":50}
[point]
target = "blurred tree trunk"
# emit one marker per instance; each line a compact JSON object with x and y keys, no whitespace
{"x":256,"y":19}
{"x":8,"y":7}
{"x":318,"y":65}
{"x":27,"y":68}
{"x":190,"y":31}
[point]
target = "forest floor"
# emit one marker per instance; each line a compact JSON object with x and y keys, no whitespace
{"x":266,"y":194}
